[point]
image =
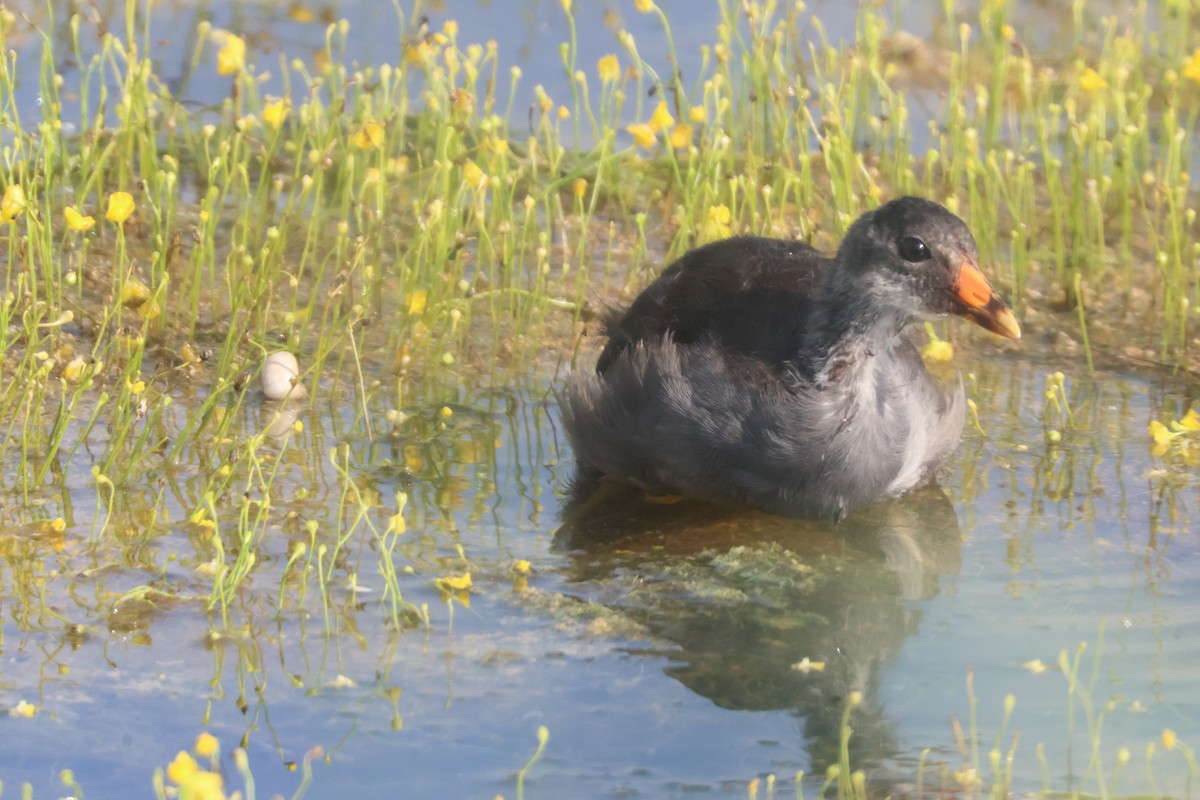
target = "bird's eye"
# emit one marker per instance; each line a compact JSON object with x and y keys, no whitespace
{"x":913,"y":249}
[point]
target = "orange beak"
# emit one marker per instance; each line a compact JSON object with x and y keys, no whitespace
{"x":980,"y":304}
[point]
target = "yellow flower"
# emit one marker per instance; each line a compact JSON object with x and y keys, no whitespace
{"x":416,"y":301}
{"x":204,"y":785}
{"x":13,"y":203}
{"x":643,"y":134}
{"x":937,"y":351}
{"x":661,"y":119}
{"x":1090,"y":81}
{"x":1161,"y":436}
{"x":609,"y":68}
{"x":455,"y":587}
{"x":461,"y":100}
{"x":368,"y":137}
{"x":1190,"y":421}
{"x":232,"y":56}
{"x":135,"y":294}
{"x":120,"y":206}
{"x":564,"y":112}
{"x":77,"y":221}
{"x":182,"y":769}
{"x":698,"y":114}
{"x":206,"y":745}
{"x":275,"y":113}
{"x":644,"y":6}
{"x":473,"y":175}
{"x":579,"y":187}
{"x":1168,"y":739}
{"x":681,"y":135}
{"x":1191,"y":70}
{"x":23,"y":709}
{"x":456,"y":582}
{"x":1008,"y":32}
{"x":301,"y":13}
{"x":716,"y":224}
{"x":74,"y":369}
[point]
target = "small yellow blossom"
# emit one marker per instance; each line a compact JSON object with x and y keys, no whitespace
{"x":182,"y":769}
{"x":73,"y":370}
{"x":698,"y":114}
{"x":120,"y":206}
{"x":579,"y":187}
{"x":681,"y":135}
{"x":206,"y":745}
{"x":77,"y":221}
{"x":644,"y":6}
{"x":642,"y":134}
{"x":609,"y":68}
{"x":416,"y":301}
{"x":456,"y":582}
{"x":1162,"y":438}
{"x":938,"y":351}
{"x":1191,"y":70}
{"x":231,"y":57}
{"x":521,"y":566}
{"x":564,"y":112}
{"x":13,"y":202}
{"x":204,"y":785}
{"x":1090,"y":81}
{"x":461,"y":100}
{"x":396,"y":522}
{"x":322,"y":61}
{"x":1168,"y":739}
{"x":1036,"y":666}
{"x":455,"y":587}
{"x":473,"y":175}
{"x":1008,"y":32}
{"x":23,"y":709}
{"x":717,"y":222}
{"x":1190,"y":421}
{"x":368,"y":137}
{"x":661,"y":119}
{"x":134,"y":294}
{"x":298,"y":12}
{"x":274,"y":113}
{"x":807,"y":665}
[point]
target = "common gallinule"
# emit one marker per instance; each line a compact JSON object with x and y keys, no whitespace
{"x":760,"y":372}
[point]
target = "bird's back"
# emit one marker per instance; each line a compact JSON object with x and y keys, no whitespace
{"x":750,"y":295}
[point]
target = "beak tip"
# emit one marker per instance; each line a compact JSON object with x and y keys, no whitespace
{"x":1007,"y":325}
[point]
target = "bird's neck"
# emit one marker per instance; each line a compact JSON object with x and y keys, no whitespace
{"x":846,"y":334}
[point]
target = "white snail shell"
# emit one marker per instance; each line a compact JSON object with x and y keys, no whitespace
{"x":281,"y":377}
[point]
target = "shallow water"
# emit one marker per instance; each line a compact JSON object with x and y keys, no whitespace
{"x":656,"y":642}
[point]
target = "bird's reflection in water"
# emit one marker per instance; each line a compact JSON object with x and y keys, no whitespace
{"x":744,"y":598}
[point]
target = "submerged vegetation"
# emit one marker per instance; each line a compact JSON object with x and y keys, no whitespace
{"x":407,"y":228}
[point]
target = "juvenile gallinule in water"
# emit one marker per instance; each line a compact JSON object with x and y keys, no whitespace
{"x":760,"y":372}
